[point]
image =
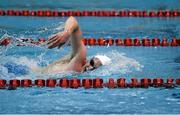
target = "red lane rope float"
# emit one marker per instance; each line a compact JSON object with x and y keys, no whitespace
{"x":155,"y":42}
{"x":64,"y":83}
{"x":87,"y":83}
{"x":26,"y":83}
{"x":75,"y":83}
{"x":107,"y":42}
{"x":39,"y":83}
{"x":134,"y":83}
{"x":14,"y":83}
{"x":119,"y":42}
{"x":105,"y":13}
{"x":131,"y":42}
{"x":178,"y":81}
{"x":2,"y":83}
{"x":50,"y":83}
{"x":145,"y":82}
{"x":111,"y":83}
{"x":91,"y":83}
{"x":121,"y":83}
{"x":158,"y":82}
{"x":98,"y":83}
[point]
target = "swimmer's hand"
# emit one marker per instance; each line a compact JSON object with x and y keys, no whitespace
{"x":58,"y":39}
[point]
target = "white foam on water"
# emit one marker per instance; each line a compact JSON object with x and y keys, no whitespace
{"x":24,"y":61}
{"x":3,"y":72}
{"x":31,"y":63}
{"x":60,"y":27}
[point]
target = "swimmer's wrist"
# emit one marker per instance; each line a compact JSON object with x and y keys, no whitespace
{"x":67,"y":32}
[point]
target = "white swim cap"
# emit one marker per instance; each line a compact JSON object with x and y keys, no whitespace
{"x":104,"y":59}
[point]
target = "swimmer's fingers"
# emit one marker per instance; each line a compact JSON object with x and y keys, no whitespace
{"x":51,"y":38}
{"x":61,"y":44}
{"x":52,"y":41}
{"x":54,"y":38}
{"x":54,"y":44}
{"x":58,"y":40}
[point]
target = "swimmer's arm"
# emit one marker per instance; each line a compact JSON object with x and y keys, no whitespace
{"x":63,"y":60}
{"x":71,"y":26}
{"x":40,"y":70}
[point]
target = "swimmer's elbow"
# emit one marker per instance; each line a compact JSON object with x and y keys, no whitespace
{"x":73,"y":19}
{"x":71,"y":24}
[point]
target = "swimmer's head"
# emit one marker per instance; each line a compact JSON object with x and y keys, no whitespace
{"x":97,"y":61}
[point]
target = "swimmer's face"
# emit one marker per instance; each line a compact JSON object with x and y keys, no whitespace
{"x":93,"y":64}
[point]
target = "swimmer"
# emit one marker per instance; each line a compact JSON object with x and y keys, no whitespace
{"x":76,"y":60}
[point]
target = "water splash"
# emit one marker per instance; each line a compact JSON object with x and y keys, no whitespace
{"x":60,"y":27}
{"x":16,"y":66}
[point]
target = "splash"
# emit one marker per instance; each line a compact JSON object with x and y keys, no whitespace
{"x":16,"y":66}
{"x":60,"y":27}
{"x":30,"y":63}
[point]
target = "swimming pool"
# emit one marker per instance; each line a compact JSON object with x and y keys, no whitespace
{"x":128,"y":62}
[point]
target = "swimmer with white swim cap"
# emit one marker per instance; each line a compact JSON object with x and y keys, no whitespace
{"x":76,"y":61}
{"x":96,"y":62}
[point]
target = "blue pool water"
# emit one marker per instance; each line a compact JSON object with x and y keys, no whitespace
{"x":127,"y":62}
{"x":91,"y":4}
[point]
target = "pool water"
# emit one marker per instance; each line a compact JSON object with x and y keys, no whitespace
{"x":91,"y":4}
{"x":127,"y":62}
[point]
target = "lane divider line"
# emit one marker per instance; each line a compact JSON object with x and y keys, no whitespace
{"x":91,"y":83}
{"x":104,"y":42}
{"x":100,"y":13}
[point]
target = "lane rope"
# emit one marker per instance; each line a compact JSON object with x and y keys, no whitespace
{"x":102,"y":42}
{"x":103,"y":13}
{"x":91,"y":83}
